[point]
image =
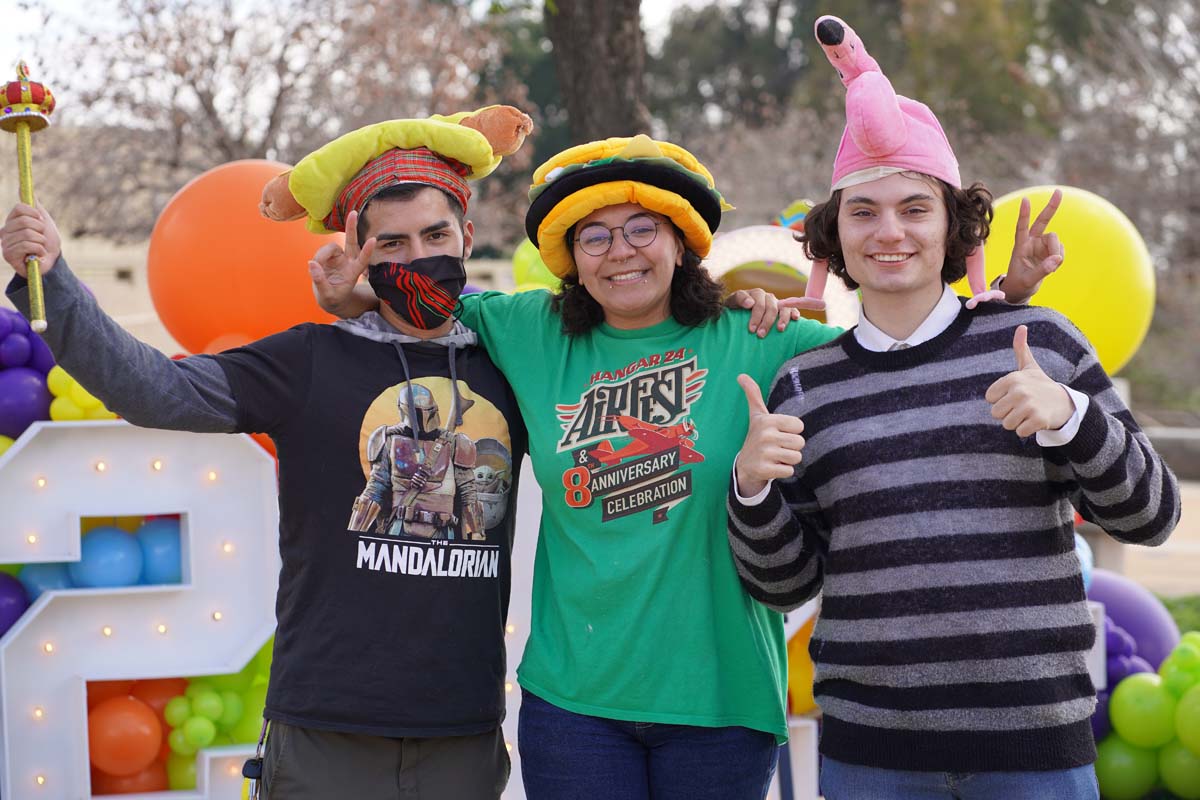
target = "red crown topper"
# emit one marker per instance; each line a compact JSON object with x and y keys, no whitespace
{"x":25,"y":101}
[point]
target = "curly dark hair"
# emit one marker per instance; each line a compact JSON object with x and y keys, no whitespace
{"x":970,"y":222}
{"x":695,"y":296}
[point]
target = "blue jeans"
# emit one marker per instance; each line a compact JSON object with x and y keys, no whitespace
{"x":568,"y":756}
{"x":842,"y":781}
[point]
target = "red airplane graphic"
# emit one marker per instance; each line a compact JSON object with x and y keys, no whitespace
{"x":648,"y":439}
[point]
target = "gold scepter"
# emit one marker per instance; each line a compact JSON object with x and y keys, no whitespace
{"x":25,"y":107}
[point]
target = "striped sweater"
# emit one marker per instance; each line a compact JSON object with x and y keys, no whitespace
{"x":953,"y":628}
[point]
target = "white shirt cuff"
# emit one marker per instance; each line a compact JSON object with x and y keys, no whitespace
{"x":756,"y":499}
{"x":1067,"y":432}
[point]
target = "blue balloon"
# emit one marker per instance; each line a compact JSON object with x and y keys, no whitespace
{"x":38,"y":578}
{"x":1086,"y":560}
{"x":110,"y":557}
{"x":13,"y":601}
{"x":159,"y":540}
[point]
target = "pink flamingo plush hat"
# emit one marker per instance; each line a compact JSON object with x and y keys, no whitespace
{"x":885,"y":133}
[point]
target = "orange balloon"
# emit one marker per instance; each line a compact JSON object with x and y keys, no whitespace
{"x":265,"y":442}
{"x":124,"y":736}
{"x":216,"y":266}
{"x":99,"y":691}
{"x":155,"y":693}
{"x":800,"y":670}
{"x":152,"y":779}
{"x":226,"y":341}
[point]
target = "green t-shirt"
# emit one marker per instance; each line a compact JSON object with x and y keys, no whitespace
{"x":638,"y":614}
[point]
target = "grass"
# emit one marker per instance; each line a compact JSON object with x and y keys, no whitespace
{"x":1185,"y":610}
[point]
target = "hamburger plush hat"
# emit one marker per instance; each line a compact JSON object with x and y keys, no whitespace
{"x":659,"y":176}
{"x":441,"y":151}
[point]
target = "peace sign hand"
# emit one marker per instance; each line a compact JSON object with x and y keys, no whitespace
{"x":334,"y":271}
{"x":773,"y":445}
{"x":1035,"y":253}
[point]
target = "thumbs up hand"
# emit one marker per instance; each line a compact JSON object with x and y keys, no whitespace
{"x":773,"y":445}
{"x":1027,"y":400}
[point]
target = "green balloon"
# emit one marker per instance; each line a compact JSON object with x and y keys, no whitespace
{"x":1187,"y":720}
{"x":222,"y":740}
{"x":249,"y":726}
{"x":181,"y":772}
{"x":262,"y":659}
{"x":528,"y":268}
{"x":178,"y":742}
{"x":1177,"y":677}
{"x":208,"y":704}
{"x":200,"y":731}
{"x":196,"y":686}
{"x":234,"y":708}
{"x":11,"y":569}
{"x":1191,"y":637}
{"x":1142,"y":710}
{"x":177,"y":710}
{"x":1187,"y":655}
{"x":1124,"y":772}
{"x":1180,"y":770}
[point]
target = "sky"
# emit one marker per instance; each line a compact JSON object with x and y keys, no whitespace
{"x":19,"y":25}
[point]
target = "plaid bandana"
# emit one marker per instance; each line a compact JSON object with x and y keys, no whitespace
{"x":420,"y":165}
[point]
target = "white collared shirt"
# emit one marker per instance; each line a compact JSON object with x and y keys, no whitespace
{"x":940,"y":318}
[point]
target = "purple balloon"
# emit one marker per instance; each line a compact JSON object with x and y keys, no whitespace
{"x":1139,"y":612}
{"x":19,"y":324}
{"x":1117,"y":640}
{"x":24,"y":399}
{"x":15,"y":350}
{"x":13,"y":601}
{"x":1101,"y":726}
{"x":6,"y":322}
{"x":42,"y":359}
{"x":471,"y":288}
{"x":1121,"y":667}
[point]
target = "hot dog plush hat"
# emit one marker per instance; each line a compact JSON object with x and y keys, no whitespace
{"x":441,"y":151}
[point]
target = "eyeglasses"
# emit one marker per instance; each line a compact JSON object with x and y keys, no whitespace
{"x":639,"y":231}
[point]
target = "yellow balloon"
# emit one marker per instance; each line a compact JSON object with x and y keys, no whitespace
{"x":800,"y":670}
{"x":99,"y":412}
{"x":83,"y":398}
{"x":1106,"y":282}
{"x":129,"y":524}
{"x":5,"y":443}
{"x":63,"y":409}
{"x":529,"y":287}
{"x":58,"y":381}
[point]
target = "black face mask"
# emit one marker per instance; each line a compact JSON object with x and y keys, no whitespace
{"x":423,"y":292}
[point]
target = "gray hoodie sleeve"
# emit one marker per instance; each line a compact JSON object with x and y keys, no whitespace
{"x":132,"y":378}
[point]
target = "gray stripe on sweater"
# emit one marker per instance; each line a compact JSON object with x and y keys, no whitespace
{"x":792,"y":551}
{"x":902,"y":473}
{"x":957,"y":573}
{"x":951,"y":673}
{"x":900,"y":527}
{"x":954,"y":623}
{"x":962,"y":719}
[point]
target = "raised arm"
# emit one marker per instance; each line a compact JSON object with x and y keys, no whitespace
{"x":132,"y":379}
{"x":1115,"y":477}
{"x":777,"y":533}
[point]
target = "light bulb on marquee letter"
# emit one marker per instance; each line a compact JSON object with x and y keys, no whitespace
{"x":51,"y":652}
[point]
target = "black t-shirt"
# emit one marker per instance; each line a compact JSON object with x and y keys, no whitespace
{"x":395,"y":628}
